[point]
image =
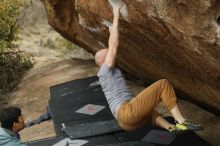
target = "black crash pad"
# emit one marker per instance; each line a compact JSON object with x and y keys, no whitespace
{"x":74,"y":86}
{"x":45,"y":142}
{"x":181,"y":139}
{"x":130,"y":136}
{"x":163,"y":137}
{"x":92,"y":129}
{"x":92,"y":141}
{"x":59,"y":126}
{"x":63,"y":106}
{"x":189,"y":138}
{"x":64,"y":109}
{"x":138,"y":143}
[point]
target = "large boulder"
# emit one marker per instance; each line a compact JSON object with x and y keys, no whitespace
{"x":178,"y":40}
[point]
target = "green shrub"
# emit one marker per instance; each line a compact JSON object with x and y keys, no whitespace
{"x":62,"y":43}
{"x":49,"y":44}
{"x":13,"y":63}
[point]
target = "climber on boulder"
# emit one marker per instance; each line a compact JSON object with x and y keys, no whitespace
{"x":135,"y":112}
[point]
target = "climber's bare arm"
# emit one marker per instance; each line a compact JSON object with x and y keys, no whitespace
{"x":113,"y":39}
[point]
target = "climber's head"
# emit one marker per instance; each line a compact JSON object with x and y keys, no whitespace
{"x":100,"y":56}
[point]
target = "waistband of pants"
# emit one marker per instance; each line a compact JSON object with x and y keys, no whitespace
{"x":118,"y":108}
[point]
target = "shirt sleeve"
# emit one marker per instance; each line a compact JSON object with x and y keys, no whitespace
{"x":104,"y":70}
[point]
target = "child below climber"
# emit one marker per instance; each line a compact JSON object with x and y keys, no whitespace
{"x":135,"y":112}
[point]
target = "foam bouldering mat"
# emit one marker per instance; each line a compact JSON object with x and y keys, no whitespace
{"x":138,"y":143}
{"x":73,"y":86}
{"x":129,"y":136}
{"x":182,"y":139}
{"x":60,"y":126}
{"x":65,"y":108}
{"x":159,"y":137}
{"x":92,"y":129}
{"x":101,"y":140}
{"x":63,"y":141}
{"x":45,"y":142}
{"x":87,"y":105}
{"x":189,"y":138}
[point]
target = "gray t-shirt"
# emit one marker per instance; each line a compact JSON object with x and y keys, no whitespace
{"x":113,"y":86}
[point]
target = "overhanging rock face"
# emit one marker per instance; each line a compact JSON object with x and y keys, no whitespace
{"x":178,"y":40}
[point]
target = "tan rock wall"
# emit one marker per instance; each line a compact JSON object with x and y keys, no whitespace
{"x":178,"y":40}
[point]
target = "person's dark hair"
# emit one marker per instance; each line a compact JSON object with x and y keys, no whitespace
{"x":8,"y":116}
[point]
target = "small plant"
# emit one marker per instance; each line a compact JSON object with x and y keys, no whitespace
{"x":72,"y":50}
{"x":62,"y":43}
{"x":49,"y":44}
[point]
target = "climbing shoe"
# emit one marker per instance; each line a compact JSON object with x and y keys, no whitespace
{"x":173,"y":130}
{"x":186,"y":125}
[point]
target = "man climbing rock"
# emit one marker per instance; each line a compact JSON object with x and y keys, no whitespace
{"x":135,"y":112}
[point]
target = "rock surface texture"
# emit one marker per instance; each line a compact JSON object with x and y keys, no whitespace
{"x":178,"y":40}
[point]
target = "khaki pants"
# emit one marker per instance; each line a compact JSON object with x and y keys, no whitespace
{"x":139,"y":110}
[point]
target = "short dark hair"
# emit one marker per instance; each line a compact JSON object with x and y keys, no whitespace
{"x":8,"y":116}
